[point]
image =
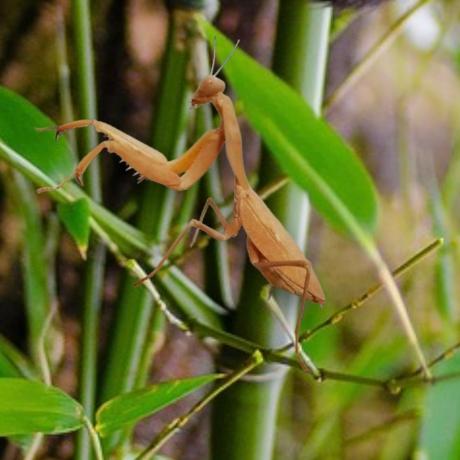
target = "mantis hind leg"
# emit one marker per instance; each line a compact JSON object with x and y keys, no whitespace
{"x":304,"y":361}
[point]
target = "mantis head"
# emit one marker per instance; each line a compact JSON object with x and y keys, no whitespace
{"x":211,"y":85}
{"x":208,"y":88}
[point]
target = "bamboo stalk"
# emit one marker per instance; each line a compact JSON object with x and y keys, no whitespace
{"x":94,"y":270}
{"x":244,"y":416}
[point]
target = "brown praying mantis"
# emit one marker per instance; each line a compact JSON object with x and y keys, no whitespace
{"x":270,"y":247}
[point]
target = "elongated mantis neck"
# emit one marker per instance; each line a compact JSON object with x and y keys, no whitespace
{"x":233,"y":141}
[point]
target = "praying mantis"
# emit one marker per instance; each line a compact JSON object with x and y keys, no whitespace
{"x":271,"y":249}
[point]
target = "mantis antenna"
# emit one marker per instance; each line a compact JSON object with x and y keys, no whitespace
{"x":227,"y":58}
{"x":213,"y":54}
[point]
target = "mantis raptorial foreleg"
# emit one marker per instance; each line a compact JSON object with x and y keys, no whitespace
{"x":148,"y":163}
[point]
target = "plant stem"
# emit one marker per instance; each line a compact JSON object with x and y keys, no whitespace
{"x":86,"y":88}
{"x":237,"y":343}
{"x":276,"y":355}
{"x":93,"y":436}
{"x":65,"y":93}
{"x":34,"y":447}
{"x":94,"y":270}
{"x":244,"y":417}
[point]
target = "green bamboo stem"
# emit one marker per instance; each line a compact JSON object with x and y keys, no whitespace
{"x":203,"y":330}
{"x":94,"y":270}
{"x":86,"y":86}
{"x":65,"y":94}
{"x":244,"y":416}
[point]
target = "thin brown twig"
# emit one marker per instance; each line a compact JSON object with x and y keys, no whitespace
{"x":443,"y":356}
{"x":339,"y":315}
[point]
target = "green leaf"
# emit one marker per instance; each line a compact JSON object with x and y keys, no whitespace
{"x":440,"y":433}
{"x":130,"y":407}
{"x":28,"y":407}
{"x":306,"y":147}
{"x":75,"y":216}
{"x":18,"y":122}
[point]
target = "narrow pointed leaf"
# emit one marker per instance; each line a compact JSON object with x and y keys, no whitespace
{"x":28,"y":406}
{"x":306,"y":147}
{"x":128,"y":408}
{"x":75,"y":216}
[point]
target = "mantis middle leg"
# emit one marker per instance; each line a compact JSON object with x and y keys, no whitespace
{"x":210,"y":203}
{"x":231,"y":228}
